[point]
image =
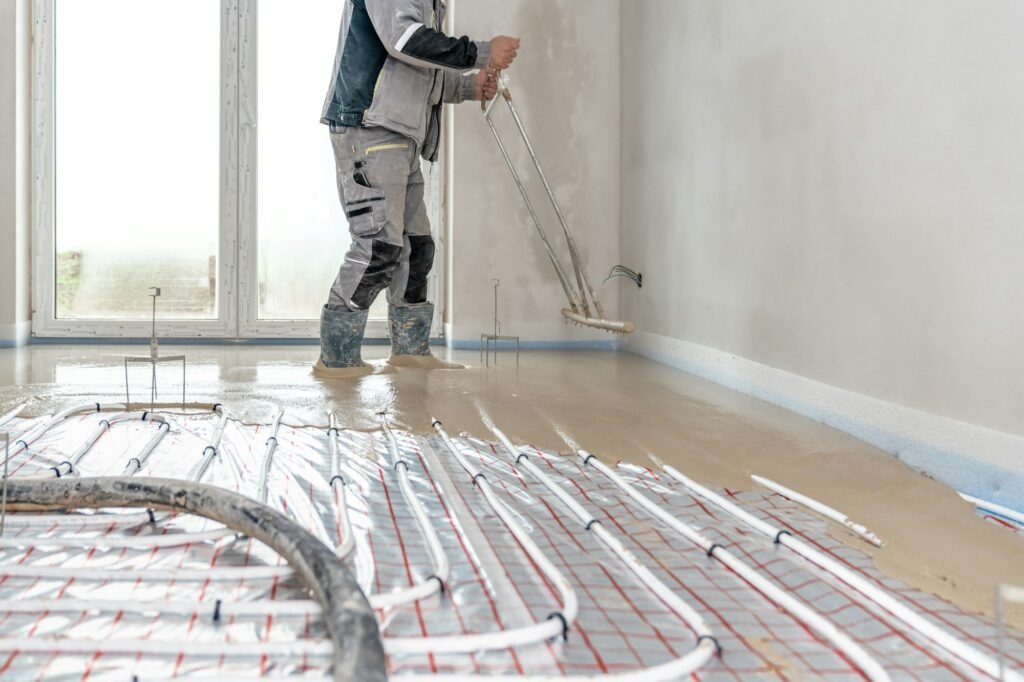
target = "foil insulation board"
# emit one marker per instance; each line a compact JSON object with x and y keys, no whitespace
{"x":622,"y":626}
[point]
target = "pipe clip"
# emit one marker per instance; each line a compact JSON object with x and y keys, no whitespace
{"x":477,"y":478}
{"x":337,"y":478}
{"x":439,"y":582}
{"x":778,"y":536}
{"x":712,"y":548}
{"x":713,"y":640}
{"x":216,"y":611}
{"x":590,"y":523}
{"x":565,"y":624}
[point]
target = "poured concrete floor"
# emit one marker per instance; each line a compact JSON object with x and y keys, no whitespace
{"x":617,"y":406}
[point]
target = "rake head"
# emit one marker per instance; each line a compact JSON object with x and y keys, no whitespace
{"x":614,"y":326}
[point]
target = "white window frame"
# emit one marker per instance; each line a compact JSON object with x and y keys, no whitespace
{"x":237,"y":284}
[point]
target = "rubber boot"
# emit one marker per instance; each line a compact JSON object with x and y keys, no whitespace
{"x":341,"y":337}
{"x":410,"y":329}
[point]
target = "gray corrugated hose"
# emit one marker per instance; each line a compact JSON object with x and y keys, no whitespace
{"x":350,"y":621}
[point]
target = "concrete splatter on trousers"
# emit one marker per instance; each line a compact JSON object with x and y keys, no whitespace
{"x":381,"y":189}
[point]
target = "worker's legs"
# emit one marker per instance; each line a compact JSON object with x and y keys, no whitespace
{"x":373,"y":170}
{"x":409,"y":314}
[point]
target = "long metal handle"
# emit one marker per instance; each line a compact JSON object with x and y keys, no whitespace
{"x":581,"y":274}
{"x":570,"y":292}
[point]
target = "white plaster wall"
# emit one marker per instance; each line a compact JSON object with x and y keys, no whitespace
{"x":833,"y":189}
{"x":14,"y":170}
{"x":566,"y":86}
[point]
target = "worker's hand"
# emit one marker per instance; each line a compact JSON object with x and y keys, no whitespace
{"x":503,"y":52}
{"x":486,"y":85}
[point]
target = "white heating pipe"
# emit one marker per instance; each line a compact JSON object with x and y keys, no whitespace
{"x":120,"y":574}
{"x":435,"y":583}
{"x":78,"y":521}
{"x":210,"y":452}
{"x":12,"y":414}
{"x":222,"y":608}
{"x":85,"y":647}
{"x":268,"y":456}
{"x":338,"y":485}
{"x":796,"y":608}
{"x":925,"y":628}
{"x":118,"y":541}
{"x":104,"y":426}
{"x":556,"y":625}
{"x":23,"y":443}
{"x":136,"y":463}
{"x":996,"y":509}
{"x":101,"y":520}
{"x":821,"y":508}
{"x":706,"y":645}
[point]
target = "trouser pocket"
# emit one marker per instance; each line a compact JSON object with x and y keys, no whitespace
{"x":364,"y":204}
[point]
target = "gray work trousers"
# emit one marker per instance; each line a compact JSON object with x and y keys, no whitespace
{"x":381,"y":190}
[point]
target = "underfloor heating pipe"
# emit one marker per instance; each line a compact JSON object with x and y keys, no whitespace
{"x":5,"y":419}
{"x":290,"y":650}
{"x":706,"y":646}
{"x":925,"y":628}
{"x":352,"y":635}
{"x":136,"y":463}
{"x":142,"y":575}
{"x":996,"y":509}
{"x":819,"y":508}
{"x":222,"y":608}
{"x":109,"y":521}
{"x":558,"y":624}
{"x":153,"y":541}
{"x":137,"y":541}
{"x":22,"y":444}
{"x":434,"y":584}
{"x":796,"y":608}
{"x":268,"y":456}
{"x":459,"y":644}
{"x":75,"y":521}
{"x":338,"y":485}
{"x":211,"y":450}
{"x":105,"y":425}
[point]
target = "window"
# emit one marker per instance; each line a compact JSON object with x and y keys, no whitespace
{"x":179,"y":146}
{"x":137,"y":158}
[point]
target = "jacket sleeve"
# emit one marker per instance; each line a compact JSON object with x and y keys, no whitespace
{"x":458,"y":87}
{"x":407,"y":38}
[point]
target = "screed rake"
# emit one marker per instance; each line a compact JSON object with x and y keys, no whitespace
{"x":581,"y":295}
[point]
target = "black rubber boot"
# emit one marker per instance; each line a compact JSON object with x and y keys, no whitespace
{"x":410,"y":329}
{"x":341,"y":337}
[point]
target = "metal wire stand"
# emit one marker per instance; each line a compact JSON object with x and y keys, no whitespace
{"x":153,"y":359}
{"x":496,"y":337}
